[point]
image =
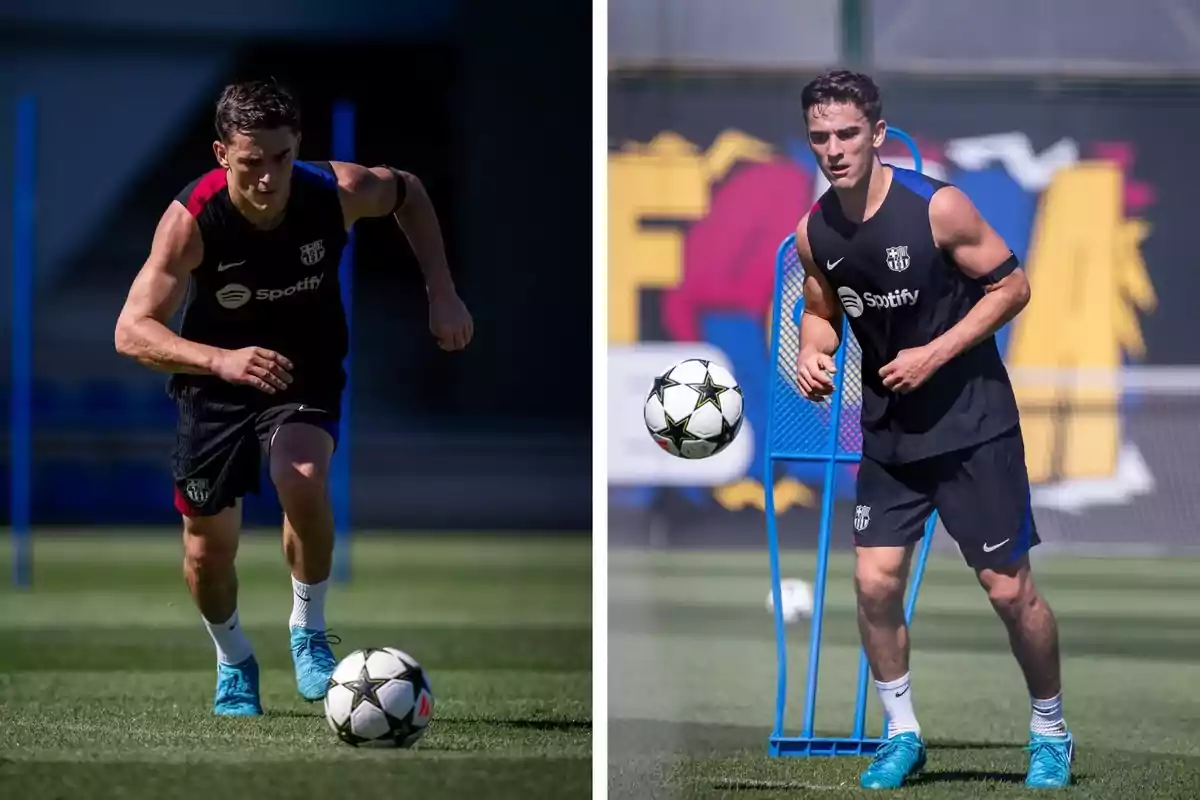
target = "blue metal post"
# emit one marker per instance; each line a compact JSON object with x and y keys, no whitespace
{"x":343,"y":150}
{"x":21,"y":435}
{"x":818,"y":613}
{"x":768,"y":481}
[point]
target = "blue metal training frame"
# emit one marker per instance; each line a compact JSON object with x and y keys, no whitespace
{"x":343,"y":150}
{"x":21,"y":412}
{"x":21,"y":406}
{"x":798,"y":430}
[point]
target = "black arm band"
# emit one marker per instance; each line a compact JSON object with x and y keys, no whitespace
{"x":401,"y":189}
{"x":1001,"y":272}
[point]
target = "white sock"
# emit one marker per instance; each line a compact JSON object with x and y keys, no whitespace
{"x":308,"y":605}
{"x":1047,"y":716}
{"x":897,"y":704}
{"x":232,"y":645}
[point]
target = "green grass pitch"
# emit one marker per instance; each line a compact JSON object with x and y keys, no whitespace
{"x":107,"y":673}
{"x":692,"y":677}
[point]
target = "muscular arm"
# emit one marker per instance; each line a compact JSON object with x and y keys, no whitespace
{"x":960,"y":230}
{"x":380,"y":191}
{"x":142,"y":332}
{"x":820,"y":324}
{"x":822,"y":318}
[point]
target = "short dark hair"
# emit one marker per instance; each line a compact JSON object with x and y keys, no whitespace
{"x":255,"y":106}
{"x":844,"y":86}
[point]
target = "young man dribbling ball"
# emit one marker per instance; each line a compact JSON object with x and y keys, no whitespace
{"x":256,"y":368}
{"x":925,"y":283}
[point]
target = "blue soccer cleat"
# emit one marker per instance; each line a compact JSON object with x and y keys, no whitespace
{"x":1050,"y":760}
{"x":237,"y":690}
{"x":314,"y":661}
{"x":896,"y":759}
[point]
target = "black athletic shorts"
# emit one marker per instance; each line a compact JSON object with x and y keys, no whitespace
{"x":981,"y":495}
{"x":222,"y":441}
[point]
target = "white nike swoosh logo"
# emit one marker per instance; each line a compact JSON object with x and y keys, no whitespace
{"x":223,"y":267}
{"x":987,"y":548}
{"x":832,"y":264}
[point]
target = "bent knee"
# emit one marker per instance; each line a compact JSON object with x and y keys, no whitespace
{"x":878,"y":582}
{"x":1012,"y":595}
{"x":1009,"y":592}
{"x":209,"y":543}
{"x":299,"y":465}
{"x":299,"y":480}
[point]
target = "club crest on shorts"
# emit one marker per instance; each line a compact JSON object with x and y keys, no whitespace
{"x":196,"y":490}
{"x":897,"y":258}
{"x":312,"y":252}
{"x":862,"y":517}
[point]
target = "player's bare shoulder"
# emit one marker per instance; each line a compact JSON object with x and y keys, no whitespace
{"x":353,"y":179}
{"x":367,"y":192}
{"x":176,"y":250}
{"x":960,"y":230}
{"x":804,"y":250}
{"x":178,"y":245}
{"x":818,"y":294}
{"x":803,"y":247}
{"x":953,"y":218}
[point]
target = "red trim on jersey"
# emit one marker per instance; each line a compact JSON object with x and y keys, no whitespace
{"x":182,"y":505}
{"x":206,"y":189}
{"x":815,"y":208}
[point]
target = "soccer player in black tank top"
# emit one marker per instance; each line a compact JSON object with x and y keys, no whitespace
{"x":256,"y":368}
{"x":925,"y":283}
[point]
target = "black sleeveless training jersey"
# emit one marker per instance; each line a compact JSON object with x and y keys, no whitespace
{"x":899,"y":290}
{"x":276,"y":288}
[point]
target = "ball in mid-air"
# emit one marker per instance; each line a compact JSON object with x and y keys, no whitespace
{"x":796,"y":600}
{"x":694,"y":409}
{"x":379,"y":697}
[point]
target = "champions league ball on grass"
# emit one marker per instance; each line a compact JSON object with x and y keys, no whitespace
{"x":694,"y":409}
{"x":379,"y":697}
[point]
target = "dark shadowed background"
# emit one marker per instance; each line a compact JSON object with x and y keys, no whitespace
{"x":485,"y":103}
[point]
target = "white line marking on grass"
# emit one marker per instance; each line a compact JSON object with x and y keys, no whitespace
{"x":750,"y":783}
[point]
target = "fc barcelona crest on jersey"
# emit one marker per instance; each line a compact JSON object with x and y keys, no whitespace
{"x":312,"y":252}
{"x":897,"y":258}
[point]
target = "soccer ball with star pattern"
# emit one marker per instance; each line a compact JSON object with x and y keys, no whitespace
{"x":694,"y":409}
{"x":379,"y":697}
